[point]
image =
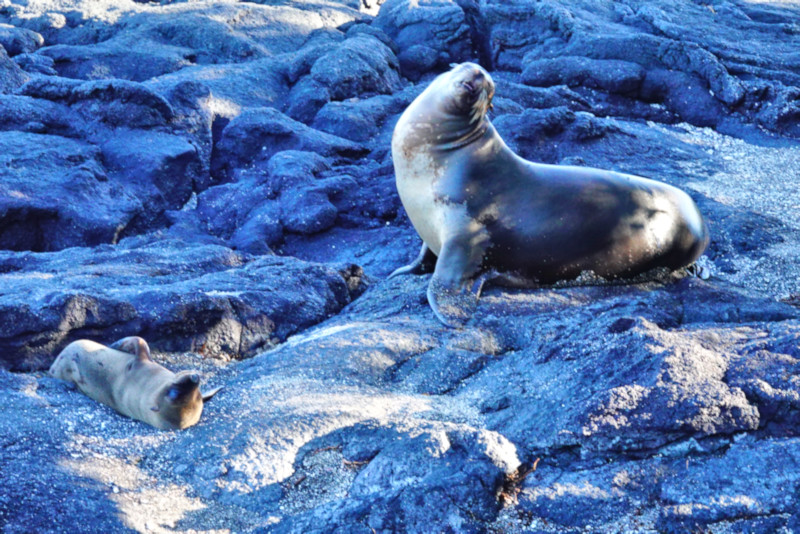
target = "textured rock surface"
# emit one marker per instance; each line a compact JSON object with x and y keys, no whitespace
{"x":185,"y":296}
{"x":217,"y":178}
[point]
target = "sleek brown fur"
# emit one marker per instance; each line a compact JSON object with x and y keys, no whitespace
{"x":124,"y":377}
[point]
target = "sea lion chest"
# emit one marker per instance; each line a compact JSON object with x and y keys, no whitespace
{"x":439,"y":181}
{"x":417,"y":172}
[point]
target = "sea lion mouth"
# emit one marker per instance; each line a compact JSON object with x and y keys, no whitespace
{"x":470,"y":86}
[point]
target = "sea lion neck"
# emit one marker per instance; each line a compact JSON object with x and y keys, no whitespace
{"x":442,"y":130}
{"x":458,"y":138}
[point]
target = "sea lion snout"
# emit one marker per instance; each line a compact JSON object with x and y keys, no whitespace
{"x":474,"y":90}
{"x":474,"y":79}
{"x":183,"y":386}
{"x":474,"y":83}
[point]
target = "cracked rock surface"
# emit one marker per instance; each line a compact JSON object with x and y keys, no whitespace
{"x":216,"y":177}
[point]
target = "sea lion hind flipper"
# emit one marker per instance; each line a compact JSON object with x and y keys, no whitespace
{"x":133,"y":345}
{"x":207,"y":396}
{"x":424,"y":263}
{"x":698,"y":270}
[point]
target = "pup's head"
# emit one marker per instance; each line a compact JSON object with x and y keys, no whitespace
{"x":180,"y":403}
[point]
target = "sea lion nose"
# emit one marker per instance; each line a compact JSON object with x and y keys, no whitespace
{"x":475,"y":82}
{"x":479,"y":79}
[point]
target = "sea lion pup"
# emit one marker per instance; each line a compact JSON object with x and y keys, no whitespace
{"x":485,"y":213}
{"x":124,"y":377}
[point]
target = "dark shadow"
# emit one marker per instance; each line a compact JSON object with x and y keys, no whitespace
{"x":39,"y":494}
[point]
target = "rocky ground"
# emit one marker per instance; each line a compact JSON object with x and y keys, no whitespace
{"x":216,"y":177}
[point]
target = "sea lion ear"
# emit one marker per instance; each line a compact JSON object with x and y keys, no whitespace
{"x":209,"y":395}
{"x":155,"y":408}
{"x":133,"y":345}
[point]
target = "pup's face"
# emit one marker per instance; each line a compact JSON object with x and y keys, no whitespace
{"x":181,"y":403}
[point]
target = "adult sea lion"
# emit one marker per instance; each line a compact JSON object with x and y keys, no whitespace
{"x":485,"y":213}
{"x":124,"y":377}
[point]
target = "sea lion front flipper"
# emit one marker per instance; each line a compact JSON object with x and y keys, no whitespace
{"x":455,"y":286}
{"x":133,"y":345}
{"x":208,"y":395}
{"x":422,"y":264}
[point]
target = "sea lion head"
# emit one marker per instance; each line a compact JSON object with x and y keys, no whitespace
{"x":467,"y":90}
{"x":449,"y":114}
{"x":180,"y":403}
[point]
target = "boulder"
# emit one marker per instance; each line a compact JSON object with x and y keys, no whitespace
{"x":11,"y":76}
{"x":430,"y":34}
{"x":135,"y":59}
{"x":161,"y":169}
{"x":121,"y":103}
{"x":306,"y":98}
{"x":59,"y":195}
{"x":36,"y":64}
{"x":363,"y":64}
{"x":204,"y":298}
{"x":357,"y":120}
{"x":610,"y":75}
{"x":35,"y":115}
{"x":360,"y":64}
{"x":115,"y":103}
{"x":259,"y":133}
{"x":233,"y":86}
{"x":19,"y":40}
